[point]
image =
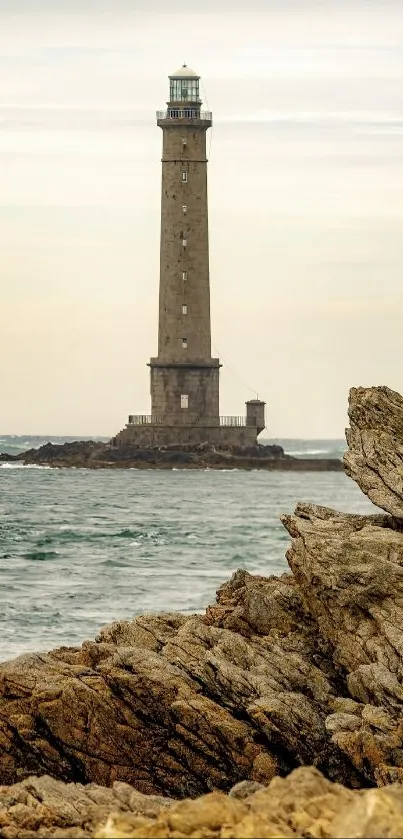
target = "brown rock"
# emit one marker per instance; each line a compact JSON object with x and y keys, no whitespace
{"x":303,"y":804}
{"x":42,"y":807}
{"x":349,"y":570}
{"x":250,"y":604}
{"x":171,"y":705}
{"x":375,"y":439}
{"x":377,"y":813}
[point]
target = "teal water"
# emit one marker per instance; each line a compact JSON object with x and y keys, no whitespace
{"x":81,"y":548}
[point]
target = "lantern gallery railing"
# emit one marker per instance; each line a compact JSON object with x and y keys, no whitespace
{"x":150,"y":419}
{"x":184,"y":113}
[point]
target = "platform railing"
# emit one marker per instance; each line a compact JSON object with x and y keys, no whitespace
{"x":237,"y":421}
{"x":155,"y":419}
{"x":143,"y":419}
{"x":184,"y":113}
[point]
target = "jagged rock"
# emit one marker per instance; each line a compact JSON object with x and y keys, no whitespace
{"x":45,"y":807}
{"x":303,"y":804}
{"x":173,"y":705}
{"x":375,"y":439}
{"x":349,"y":572}
{"x":250,"y":604}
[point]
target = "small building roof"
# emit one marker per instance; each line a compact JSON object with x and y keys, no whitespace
{"x":184,"y":72}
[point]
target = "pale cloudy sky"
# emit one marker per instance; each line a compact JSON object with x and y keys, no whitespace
{"x":305,"y":203}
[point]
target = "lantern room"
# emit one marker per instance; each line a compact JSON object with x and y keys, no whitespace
{"x":184,"y":86}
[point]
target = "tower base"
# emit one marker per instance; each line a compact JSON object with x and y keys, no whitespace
{"x":148,"y":435}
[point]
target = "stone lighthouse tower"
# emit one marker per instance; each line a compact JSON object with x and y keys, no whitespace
{"x":184,"y":376}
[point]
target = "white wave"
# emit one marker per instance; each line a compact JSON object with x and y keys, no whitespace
{"x":297,"y":452}
{"x":218,"y":469}
{"x":22,"y":466}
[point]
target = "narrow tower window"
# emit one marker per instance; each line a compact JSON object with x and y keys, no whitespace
{"x":184,"y":275}
{"x":184,"y":309}
{"x":184,"y":400}
{"x":184,"y":142}
{"x":184,"y":343}
{"x":184,"y":209}
{"x":184,"y":177}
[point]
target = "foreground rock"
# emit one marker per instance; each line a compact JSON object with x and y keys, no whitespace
{"x":91,"y":455}
{"x":375,"y":440}
{"x":42,"y":807}
{"x":175,"y":705}
{"x":302,"y":804}
{"x":301,"y":669}
{"x":349,"y":570}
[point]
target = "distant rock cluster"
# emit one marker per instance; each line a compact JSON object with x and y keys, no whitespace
{"x":277,"y":713}
{"x":91,"y":455}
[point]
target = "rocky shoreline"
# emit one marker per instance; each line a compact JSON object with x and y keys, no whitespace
{"x":92,"y":455}
{"x":277,"y":713}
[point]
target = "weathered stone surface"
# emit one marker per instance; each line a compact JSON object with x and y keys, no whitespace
{"x":349,"y":572}
{"x":172,"y":705}
{"x":43,"y":807}
{"x":375,"y":439}
{"x":303,"y":804}
{"x":250,"y":604}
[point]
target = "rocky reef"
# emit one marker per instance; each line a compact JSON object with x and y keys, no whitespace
{"x":92,"y":455}
{"x":278,"y":712}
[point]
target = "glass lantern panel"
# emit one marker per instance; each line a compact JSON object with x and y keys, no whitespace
{"x":184,"y":90}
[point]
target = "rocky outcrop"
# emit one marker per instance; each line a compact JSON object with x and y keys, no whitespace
{"x":174,"y":705}
{"x":281,"y":672}
{"x":349,"y":571}
{"x":45,"y":807}
{"x":375,"y":440}
{"x":302,"y":804}
{"x":92,"y":455}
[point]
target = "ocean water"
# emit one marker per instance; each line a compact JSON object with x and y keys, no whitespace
{"x":80,"y":548}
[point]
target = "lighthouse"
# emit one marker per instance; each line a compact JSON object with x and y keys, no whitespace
{"x":184,"y":377}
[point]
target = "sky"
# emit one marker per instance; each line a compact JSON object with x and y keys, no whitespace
{"x":305,"y":204}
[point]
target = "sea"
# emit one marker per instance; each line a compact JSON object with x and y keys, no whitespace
{"x":81,"y":548}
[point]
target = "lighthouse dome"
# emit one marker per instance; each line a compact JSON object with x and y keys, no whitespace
{"x":184,"y":72}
